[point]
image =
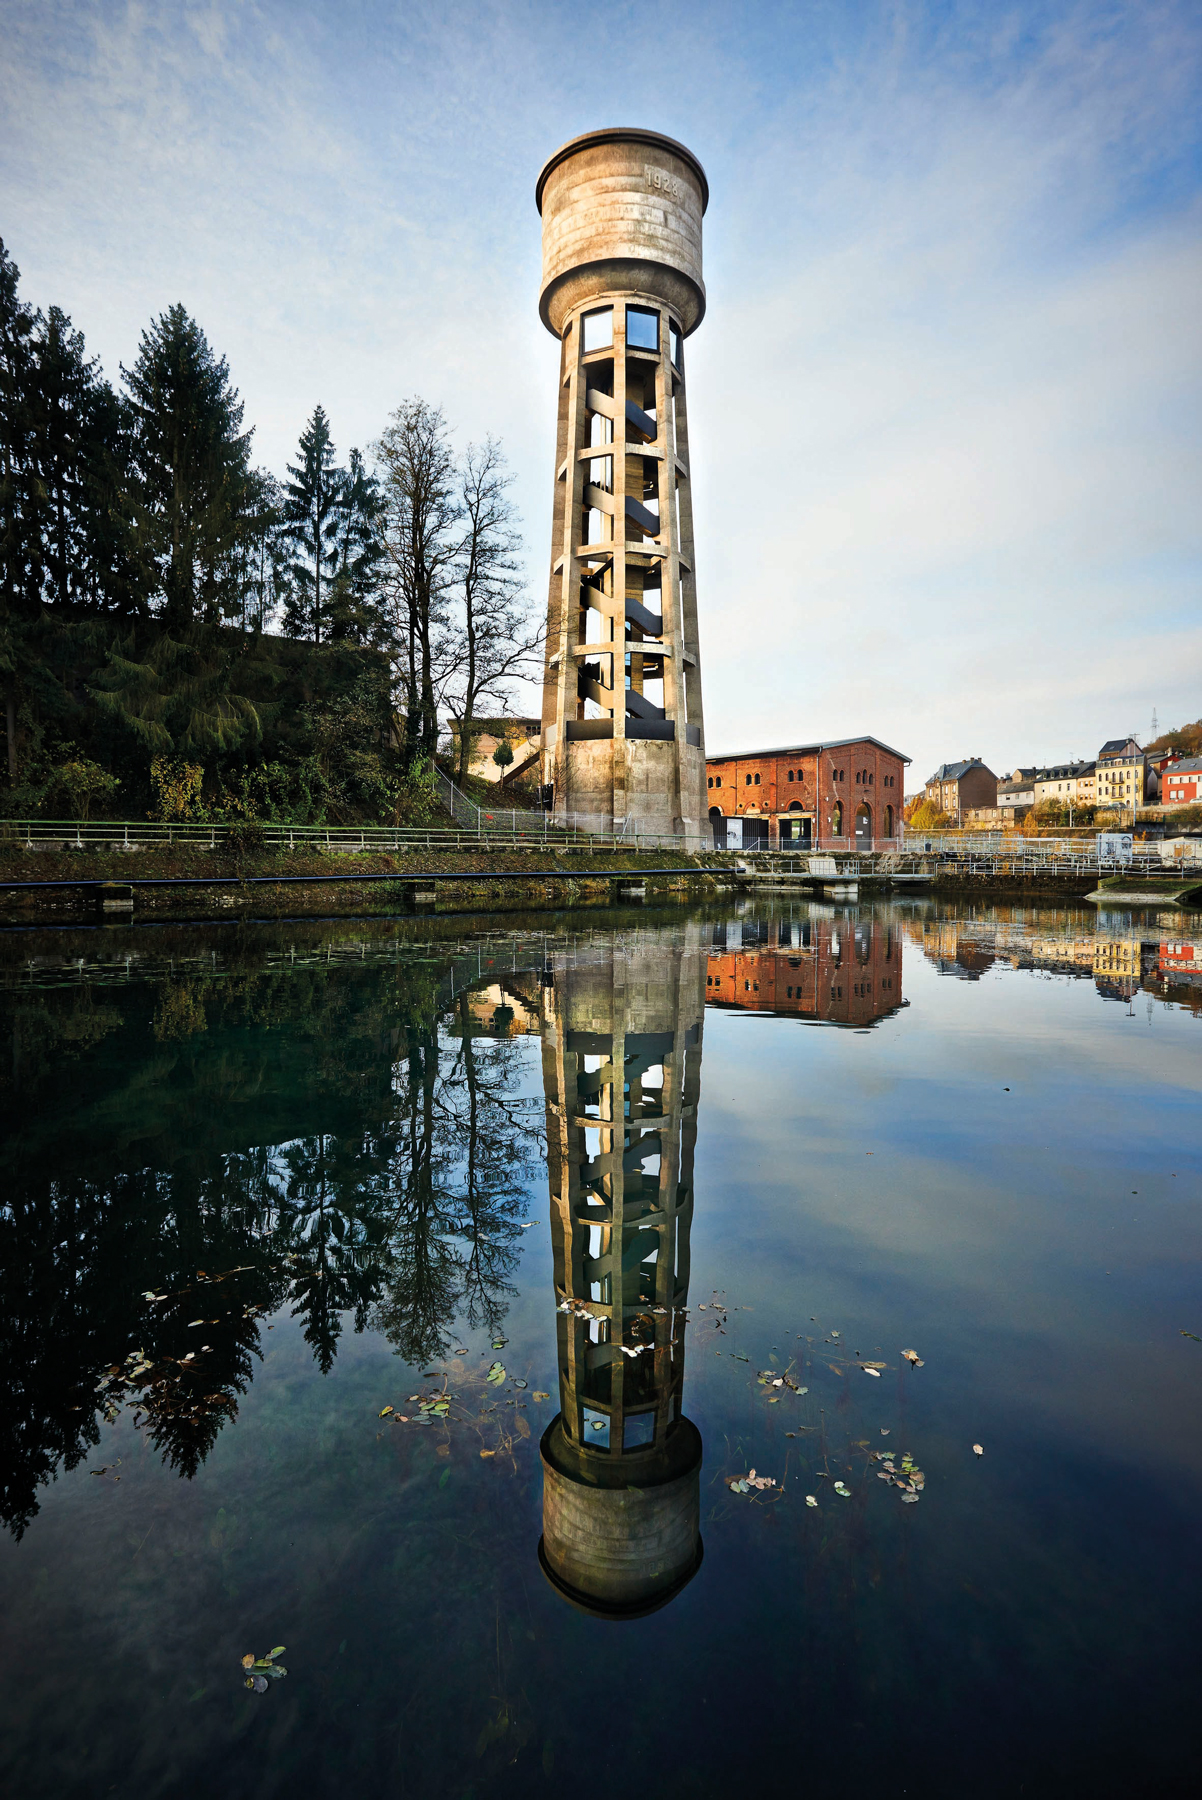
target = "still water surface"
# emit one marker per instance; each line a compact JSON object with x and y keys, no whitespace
{"x":643,"y":1196}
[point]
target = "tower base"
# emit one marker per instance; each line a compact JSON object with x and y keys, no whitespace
{"x":639,"y":787}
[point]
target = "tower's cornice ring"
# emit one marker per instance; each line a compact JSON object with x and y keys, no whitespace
{"x":612,"y":134}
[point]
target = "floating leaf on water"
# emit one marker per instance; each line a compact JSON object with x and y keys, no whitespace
{"x":977,"y":1450}
{"x":811,"y":1500}
{"x":803,"y":1390}
{"x":909,"y":1497}
{"x":496,"y":1373}
{"x":598,"y":1424}
{"x":529,"y":1224}
{"x":278,"y":1651}
{"x":260,"y":1684}
{"x":519,"y":1384}
{"x":499,"y":1343}
{"x":384,"y":1411}
{"x":737,"y":1357}
{"x":913,"y":1358}
{"x":884,"y":1431}
{"x":834,"y":1334}
{"x":868,"y":1371}
{"x":536,"y":1395}
{"x":1192,"y":1334}
{"x":248,"y":1662}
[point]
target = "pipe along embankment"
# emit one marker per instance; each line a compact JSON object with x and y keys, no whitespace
{"x":39,"y":884}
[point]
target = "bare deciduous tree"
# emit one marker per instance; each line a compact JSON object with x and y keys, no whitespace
{"x":419,"y":525}
{"x":495,"y":639}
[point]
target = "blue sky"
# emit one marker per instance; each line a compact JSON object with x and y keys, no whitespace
{"x":944,"y":407}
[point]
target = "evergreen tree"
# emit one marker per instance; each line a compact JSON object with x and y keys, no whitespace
{"x":313,"y":506}
{"x":78,"y":447}
{"x":17,"y":558}
{"x":354,"y":613}
{"x":191,"y":466}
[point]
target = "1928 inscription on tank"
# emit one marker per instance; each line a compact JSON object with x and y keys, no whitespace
{"x":661,"y":182}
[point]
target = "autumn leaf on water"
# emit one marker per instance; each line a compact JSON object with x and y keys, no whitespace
{"x":913,"y":1358}
{"x":978,"y":1450}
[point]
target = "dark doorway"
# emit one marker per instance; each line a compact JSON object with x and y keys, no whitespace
{"x":755,"y":834}
{"x":718,"y":826}
{"x":863,"y":828}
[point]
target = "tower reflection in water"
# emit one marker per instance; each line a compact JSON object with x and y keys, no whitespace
{"x":622,"y":1074}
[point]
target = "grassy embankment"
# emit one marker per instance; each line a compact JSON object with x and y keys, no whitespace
{"x":587,"y":887}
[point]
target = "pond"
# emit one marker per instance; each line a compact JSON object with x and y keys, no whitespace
{"x":688,"y":1348}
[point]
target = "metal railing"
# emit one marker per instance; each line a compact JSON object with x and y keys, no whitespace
{"x":497,"y":827}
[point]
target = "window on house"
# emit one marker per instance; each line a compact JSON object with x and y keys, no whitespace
{"x":790,"y":774}
{"x":757,"y":781}
{"x":642,"y":328}
{"x":598,"y":330}
{"x":747,"y":781}
{"x":710,"y":782}
{"x":674,"y":342}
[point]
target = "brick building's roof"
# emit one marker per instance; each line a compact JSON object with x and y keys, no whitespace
{"x":806,"y":750}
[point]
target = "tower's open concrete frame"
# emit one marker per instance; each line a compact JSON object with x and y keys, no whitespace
{"x":623,"y":738}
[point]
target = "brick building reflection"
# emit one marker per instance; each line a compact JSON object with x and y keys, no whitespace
{"x":842,"y":971}
{"x":622,"y":1026}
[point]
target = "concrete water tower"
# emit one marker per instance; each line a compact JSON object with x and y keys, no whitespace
{"x":623,"y":737}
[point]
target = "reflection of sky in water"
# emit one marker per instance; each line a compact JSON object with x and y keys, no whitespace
{"x":1028,"y":1622}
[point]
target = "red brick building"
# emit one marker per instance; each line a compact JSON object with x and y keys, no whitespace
{"x":845,"y":795}
{"x":837,"y":971}
{"x":1181,"y":782}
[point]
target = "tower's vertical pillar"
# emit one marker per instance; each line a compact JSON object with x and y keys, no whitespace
{"x":622,"y":1075}
{"x":623,"y":731}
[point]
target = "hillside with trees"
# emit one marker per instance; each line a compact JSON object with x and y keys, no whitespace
{"x":185,"y":635}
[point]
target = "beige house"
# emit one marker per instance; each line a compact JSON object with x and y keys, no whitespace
{"x":522,"y":736}
{"x":1069,"y":783}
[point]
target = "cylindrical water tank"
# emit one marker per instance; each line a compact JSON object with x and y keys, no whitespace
{"x":621,"y":212}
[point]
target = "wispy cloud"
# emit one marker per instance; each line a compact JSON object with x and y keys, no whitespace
{"x":944,"y":405}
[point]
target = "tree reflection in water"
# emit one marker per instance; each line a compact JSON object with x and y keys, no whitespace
{"x":283,"y":1140}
